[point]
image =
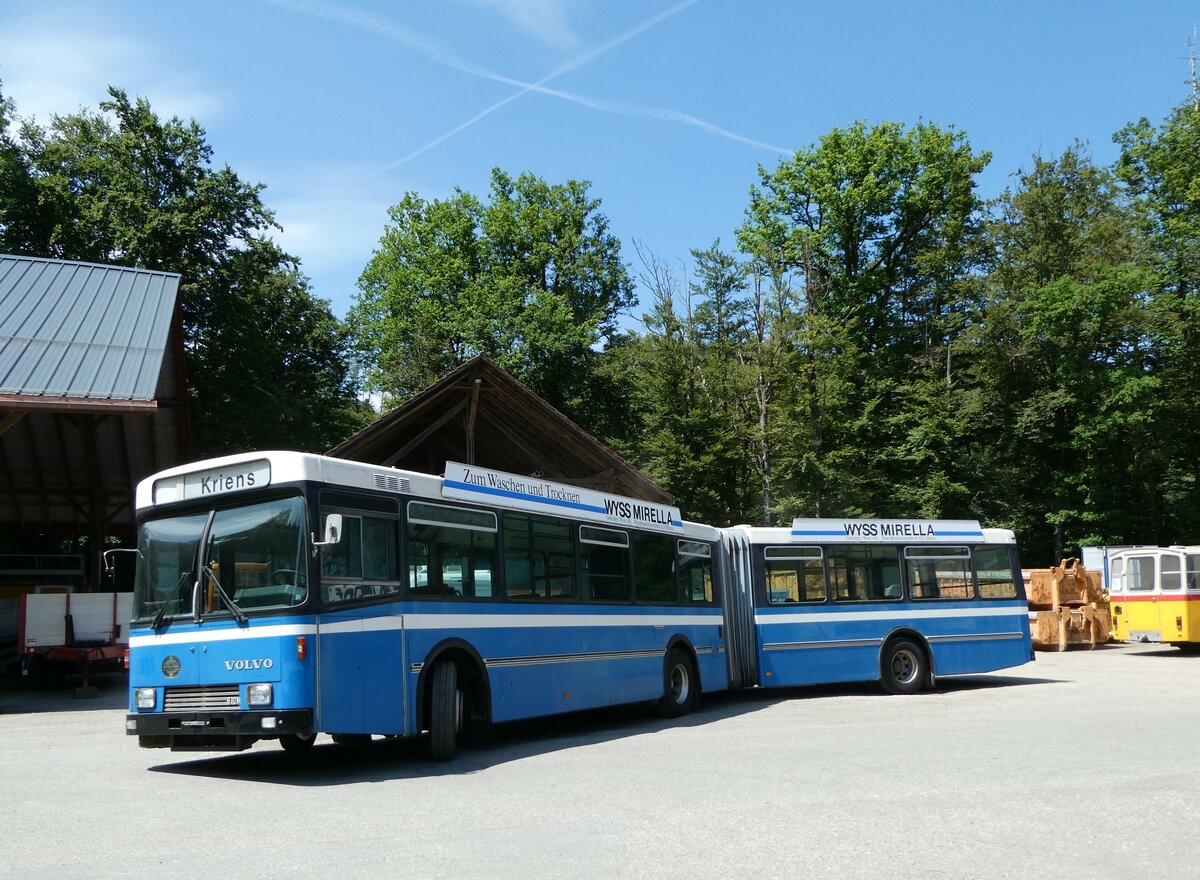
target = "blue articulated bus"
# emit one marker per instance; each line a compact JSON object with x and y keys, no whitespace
{"x":279,"y":595}
{"x":894,"y":601}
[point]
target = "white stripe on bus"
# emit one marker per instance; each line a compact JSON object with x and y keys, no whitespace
{"x":890,"y":614}
{"x":425,"y":621}
{"x":222,"y":635}
{"x":548,"y":659}
{"x":519,"y":621}
{"x":872,"y":643}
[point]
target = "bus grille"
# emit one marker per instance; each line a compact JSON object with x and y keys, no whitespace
{"x":221,"y":696}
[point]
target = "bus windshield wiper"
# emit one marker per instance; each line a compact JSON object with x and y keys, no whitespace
{"x":237,"y":612}
{"x":176,"y":595}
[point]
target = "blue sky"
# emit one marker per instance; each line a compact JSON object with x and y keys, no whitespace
{"x":667,"y":107}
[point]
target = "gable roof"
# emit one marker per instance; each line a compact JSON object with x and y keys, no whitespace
{"x":479,"y":414}
{"x":82,"y":332}
{"x":93,"y":392}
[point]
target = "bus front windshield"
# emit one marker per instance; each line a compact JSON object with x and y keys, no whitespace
{"x":254,"y":554}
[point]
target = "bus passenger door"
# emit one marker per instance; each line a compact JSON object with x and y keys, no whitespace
{"x":361,"y":674}
{"x":1141,"y":599}
{"x":1169,"y":594}
{"x":361,"y":643}
{"x":339,"y":676}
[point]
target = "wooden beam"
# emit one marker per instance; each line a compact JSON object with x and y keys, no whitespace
{"x":38,"y":467}
{"x":57,"y":493}
{"x":64,"y":455}
{"x":420,"y":438}
{"x":475,"y":386}
{"x":6,"y":467}
{"x":9,"y":420}
{"x":38,"y":403}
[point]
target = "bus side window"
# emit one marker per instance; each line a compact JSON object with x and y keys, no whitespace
{"x":1117,"y":575}
{"x":539,"y":558}
{"x":1171,"y":575}
{"x":654,"y":568}
{"x":1139,"y":574}
{"x":363,"y":564}
{"x":451,"y":550}
{"x":864,"y":573}
{"x":695,"y":571}
{"x":344,"y":559}
{"x":604,"y":563}
{"x":794,"y":574}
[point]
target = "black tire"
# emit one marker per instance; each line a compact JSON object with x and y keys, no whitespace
{"x":45,"y":674}
{"x":353,"y":740}
{"x":680,"y":685}
{"x":445,"y":711}
{"x":296,"y":742}
{"x":903,"y":668}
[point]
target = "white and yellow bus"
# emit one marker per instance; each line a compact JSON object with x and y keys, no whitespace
{"x":1155,"y":595}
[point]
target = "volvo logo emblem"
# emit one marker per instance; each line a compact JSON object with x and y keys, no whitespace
{"x":171,"y":666}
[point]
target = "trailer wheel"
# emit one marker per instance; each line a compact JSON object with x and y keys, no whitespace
{"x":297,"y":742}
{"x":902,"y":667}
{"x":445,"y":711}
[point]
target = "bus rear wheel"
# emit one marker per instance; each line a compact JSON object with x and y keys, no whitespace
{"x":445,"y":711}
{"x":903,"y":668}
{"x":679,"y":685}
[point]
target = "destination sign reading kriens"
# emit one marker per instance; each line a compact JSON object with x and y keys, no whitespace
{"x":216,"y":481}
{"x":889,"y":531}
{"x":485,"y":486}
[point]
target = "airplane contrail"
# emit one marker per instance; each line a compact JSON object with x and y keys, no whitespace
{"x":435,"y":51}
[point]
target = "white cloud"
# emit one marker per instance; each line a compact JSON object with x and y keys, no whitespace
{"x":48,"y":69}
{"x":332,"y":219}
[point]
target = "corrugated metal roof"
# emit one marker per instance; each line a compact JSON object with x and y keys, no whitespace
{"x":82,"y":330}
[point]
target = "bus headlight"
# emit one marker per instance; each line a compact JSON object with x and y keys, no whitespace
{"x":258,"y":694}
{"x":145,"y":698}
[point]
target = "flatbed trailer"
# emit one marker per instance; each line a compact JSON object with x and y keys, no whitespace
{"x":61,"y":633}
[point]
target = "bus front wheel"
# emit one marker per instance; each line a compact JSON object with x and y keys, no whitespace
{"x":902,"y":667}
{"x":445,"y":711}
{"x":297,"y":742}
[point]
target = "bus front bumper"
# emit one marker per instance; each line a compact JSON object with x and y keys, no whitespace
{"x":215,"y":731}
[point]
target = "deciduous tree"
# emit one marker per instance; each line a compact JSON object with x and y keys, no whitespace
{"x":267,"y":361}
{"x":531,"y":277}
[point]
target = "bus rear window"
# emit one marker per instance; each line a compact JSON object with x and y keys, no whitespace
{"x":993,"y":567}
{"x":939,"y":572}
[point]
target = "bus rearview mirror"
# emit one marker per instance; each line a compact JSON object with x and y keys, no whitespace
{"x":332,"y":534}
{"x":333,"y":528}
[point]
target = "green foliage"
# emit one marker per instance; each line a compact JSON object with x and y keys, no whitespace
{"x":875,"y":226}
{"x":267,"y":362}
{"x":892,"y":347}
{"x":883,"y":344}
{"x":532,"y":278}
{"x":1161,"y":169}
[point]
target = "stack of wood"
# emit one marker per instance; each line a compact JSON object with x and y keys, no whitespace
{"x":1067,"y":606}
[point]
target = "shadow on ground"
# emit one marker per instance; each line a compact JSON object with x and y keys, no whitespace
{"x":382,"y":760}
{"x":108,"y":690}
